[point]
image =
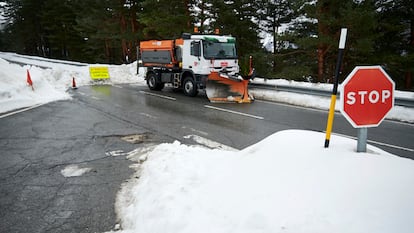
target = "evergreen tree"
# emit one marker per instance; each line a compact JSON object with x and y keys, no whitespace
{"x":379,"y":31}
{"x":110,"y":29}
{"x":297,"y":59}
{"x":202,"y":14}
{"x":317,"y":29}
{"x":24,"y":30}
{"x":395,"y":44}
{"x":61,"y":40}
{"x":237,"y":18}
{"x":165,"y":18}
{"x":273,"y":14}
{"x":97,"y":26}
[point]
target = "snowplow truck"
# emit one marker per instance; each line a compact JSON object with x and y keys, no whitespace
{"x":195,"y":62}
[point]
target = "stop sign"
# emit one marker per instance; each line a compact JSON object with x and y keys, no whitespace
{"x":367,"y":96}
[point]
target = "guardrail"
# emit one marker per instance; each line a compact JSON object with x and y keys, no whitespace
{"x":405,"y":102}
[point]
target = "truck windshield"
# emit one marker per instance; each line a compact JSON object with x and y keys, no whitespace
{"x":219,"y":50}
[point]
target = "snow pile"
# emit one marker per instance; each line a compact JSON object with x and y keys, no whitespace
{"x":15,"y":92}
{"x":74,"y":171}
{"x":51,"y":84}
{"x":273,"y":186}
{"x":311,"y":101}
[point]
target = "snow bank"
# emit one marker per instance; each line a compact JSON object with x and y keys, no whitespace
{"x":273,"y":186}
{"x":15,"y":92}
{"x":399,"y":113}
{"x":50,"y":84}
{"x":74,"y":171}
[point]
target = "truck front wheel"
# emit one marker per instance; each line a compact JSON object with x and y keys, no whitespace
{"x":153,"y":82}
{"x":190,"y":87}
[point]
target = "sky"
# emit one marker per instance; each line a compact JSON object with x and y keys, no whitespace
{"x":271,"y":186}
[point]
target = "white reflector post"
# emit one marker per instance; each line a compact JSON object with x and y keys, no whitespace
{"x":343,"y":38}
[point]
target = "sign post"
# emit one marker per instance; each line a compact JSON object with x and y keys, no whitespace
{"x":362,"y":135}
{"x":367,"y":96}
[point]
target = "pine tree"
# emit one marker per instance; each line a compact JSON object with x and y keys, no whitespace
{"x":275,"y":13}
{"x":318,"y":27}
{"x":58,"y":22}
{"x":109,"y":28}
{"x":202,"y":14}
{"x":395,"y":44}
{"x":24,"y":29}
{"x":239,"y":18}
{"x":165,"y":18}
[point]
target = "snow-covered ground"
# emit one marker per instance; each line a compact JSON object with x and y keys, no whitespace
{"x":272,"y":186}
{"x":49,"y":84}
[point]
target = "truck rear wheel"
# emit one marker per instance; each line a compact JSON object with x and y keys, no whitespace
{"x":190,"y":87}
{"x":153,"y":82}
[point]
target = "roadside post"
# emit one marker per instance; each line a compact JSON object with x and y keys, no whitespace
{"x":331,"y":114}
{"x":138,"y":60}
{"x":367,"y":96}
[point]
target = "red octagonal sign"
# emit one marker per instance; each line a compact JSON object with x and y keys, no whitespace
{"x":367,"y":96}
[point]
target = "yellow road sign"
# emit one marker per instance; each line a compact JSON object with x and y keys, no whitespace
{"x":99,"y":72}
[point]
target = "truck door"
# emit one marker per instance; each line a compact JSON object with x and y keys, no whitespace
{"x":193,"y":58}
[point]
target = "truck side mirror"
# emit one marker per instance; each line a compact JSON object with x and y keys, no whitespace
{"x":196,"y":48}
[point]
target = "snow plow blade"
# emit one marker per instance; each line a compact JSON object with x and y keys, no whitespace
{"x":223,"y":88}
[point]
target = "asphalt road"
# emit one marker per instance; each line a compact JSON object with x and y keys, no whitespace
{"x":235,"y":125}
{"x":36,"y":145}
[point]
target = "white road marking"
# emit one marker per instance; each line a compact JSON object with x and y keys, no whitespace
{"x":400,"y":122}
{"x":117,"y":86}
{"x":157,"y":95}
{"x":115,"y":153}
{"x":296,"y":106}
{"x":378,"y":143}
{"x":148,"y":115}
{"x":196,"y":131}
{"x":337,"y":112}
{"x":21,"y":110}
{"x":234,"y":112}
{"x":209,"y":143}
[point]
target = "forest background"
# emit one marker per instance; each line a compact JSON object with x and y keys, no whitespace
{"x":304,"y":33}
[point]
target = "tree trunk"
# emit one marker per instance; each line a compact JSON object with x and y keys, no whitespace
{"x":409,"y":74}
{"x":274,"y":44}
{"x":323,"y":9}
{"x":321,"y":62}
{"x":202,"y":16}
{"x":189,"y":23}
{"x":107,"y":50}
{"x":408,"y":78}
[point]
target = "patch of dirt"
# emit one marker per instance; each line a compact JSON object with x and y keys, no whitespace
{"x":136,"y":138}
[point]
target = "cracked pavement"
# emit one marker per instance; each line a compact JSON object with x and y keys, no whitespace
{"x":37,"y":145}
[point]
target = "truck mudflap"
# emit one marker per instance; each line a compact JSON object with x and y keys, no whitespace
{"x":224,"y":88}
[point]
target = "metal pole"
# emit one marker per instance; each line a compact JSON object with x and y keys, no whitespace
{"x":362,"y":139}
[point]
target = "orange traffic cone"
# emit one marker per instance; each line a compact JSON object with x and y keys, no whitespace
{"x":29,"y":80}
{"x":74,"y":83}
